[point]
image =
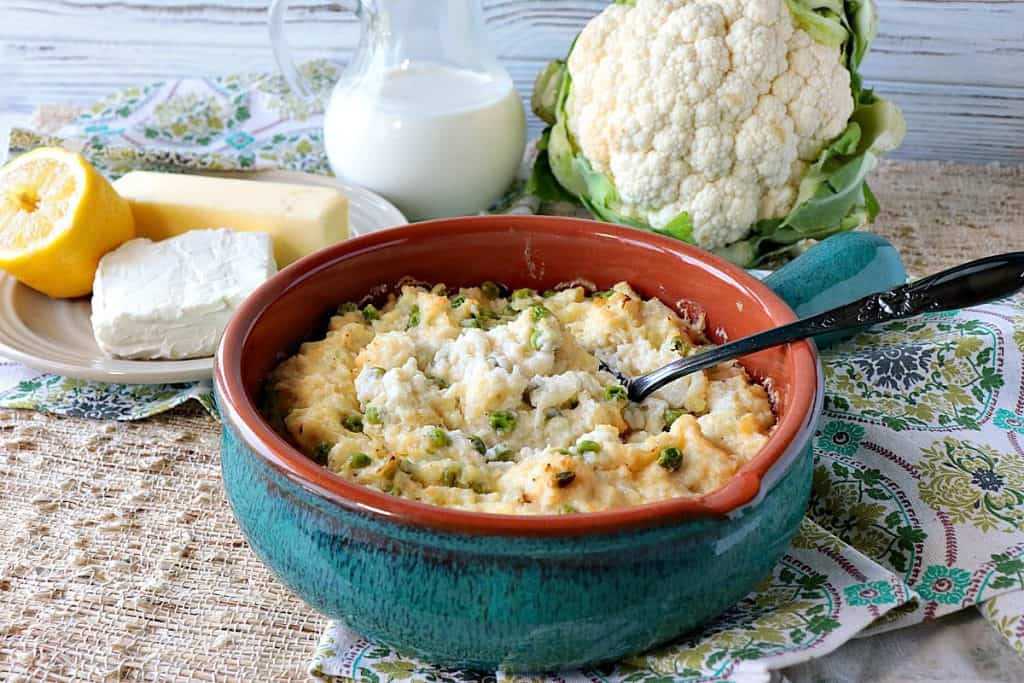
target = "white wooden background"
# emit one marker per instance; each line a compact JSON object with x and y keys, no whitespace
{"x":955,"y":66}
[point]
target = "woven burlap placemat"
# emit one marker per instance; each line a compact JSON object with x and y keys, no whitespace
{"x":940,"y":213}
{"x":119,"y":557}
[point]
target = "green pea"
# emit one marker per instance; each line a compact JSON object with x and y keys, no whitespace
{"x":502,"y":454}
{"x":438,"y":438}
{"x":450,"y":476}
{"x":359,"y":460}
{"x":373,"y":415}
{"x":414,"y":317}
{"x":671,"y":458}
{"x":458,"y":301}
{"x":370,"y":313}
{"x":321,"y":452}
{"x":615,"y":392}
{"x":347,"y":307}
{"x":478,"y":444}
{"x":489,"y":319}
{"x":587,"y":446}
{"x":353,"y":423}
{"x":670,"y":416}
{"x":524,"y":293}
{"x":539,"y":313}
{"x":536,"y":340}
{"x":563,"y":479}
{"x":502,"y":422}
{"x":492,"y":290}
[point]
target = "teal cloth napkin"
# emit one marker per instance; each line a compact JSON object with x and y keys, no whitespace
{"x":918,"y":503}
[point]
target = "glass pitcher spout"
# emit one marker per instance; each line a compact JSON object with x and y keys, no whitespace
{"x":450,"y":32}
{"x":447,"y":37}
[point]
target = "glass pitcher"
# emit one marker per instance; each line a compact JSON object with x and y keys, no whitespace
{"x":424,"y":114}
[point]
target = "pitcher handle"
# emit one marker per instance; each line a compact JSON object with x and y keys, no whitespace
{"x":283,"y":52}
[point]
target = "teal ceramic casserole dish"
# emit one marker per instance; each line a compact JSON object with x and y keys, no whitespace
{"x":520,"y":593}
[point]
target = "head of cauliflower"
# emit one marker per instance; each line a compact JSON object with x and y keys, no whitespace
{"x":738,"y":125}
{"x":712,"y":108}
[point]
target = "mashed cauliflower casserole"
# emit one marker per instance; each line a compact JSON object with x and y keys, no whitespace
{"x":495,"y":401}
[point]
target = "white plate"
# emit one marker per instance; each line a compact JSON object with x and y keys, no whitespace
{"x":55,"y":335}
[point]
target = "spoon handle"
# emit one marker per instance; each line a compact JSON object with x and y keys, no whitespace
{"x":969,"y":284}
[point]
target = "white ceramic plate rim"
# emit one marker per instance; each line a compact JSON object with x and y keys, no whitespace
{"x":19,"y":343}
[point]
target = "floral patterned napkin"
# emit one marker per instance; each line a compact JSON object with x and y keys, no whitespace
{"x":22,"y":387}
{"x":918,"y":503}
{"x":96,"y":400}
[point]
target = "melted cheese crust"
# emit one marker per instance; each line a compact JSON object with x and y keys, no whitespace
{"x":495,"y":402}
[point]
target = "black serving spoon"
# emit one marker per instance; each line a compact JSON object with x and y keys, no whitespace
{"x":969,"y":284}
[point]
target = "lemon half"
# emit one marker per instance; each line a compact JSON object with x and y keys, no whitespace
{"x":58,"y":217}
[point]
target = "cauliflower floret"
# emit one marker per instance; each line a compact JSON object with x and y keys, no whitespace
{"x":727,"y":102}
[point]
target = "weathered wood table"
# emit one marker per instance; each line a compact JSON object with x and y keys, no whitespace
{"x":956,"y":68}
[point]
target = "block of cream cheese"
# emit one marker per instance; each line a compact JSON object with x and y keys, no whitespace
{"x":300,"y":218}
{"x":172,"y":299}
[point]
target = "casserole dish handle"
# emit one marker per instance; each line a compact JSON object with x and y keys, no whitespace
{"x":836,"y":271}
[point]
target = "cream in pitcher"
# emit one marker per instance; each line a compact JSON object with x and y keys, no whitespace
{"x":424,"y":114}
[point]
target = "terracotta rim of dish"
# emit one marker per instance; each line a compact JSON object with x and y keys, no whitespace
{"x":238,"y":408}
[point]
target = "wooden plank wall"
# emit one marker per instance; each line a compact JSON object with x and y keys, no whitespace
{"x":955,"y":66}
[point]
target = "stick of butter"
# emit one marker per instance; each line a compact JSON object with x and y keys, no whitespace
{"x":300,"y":218}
